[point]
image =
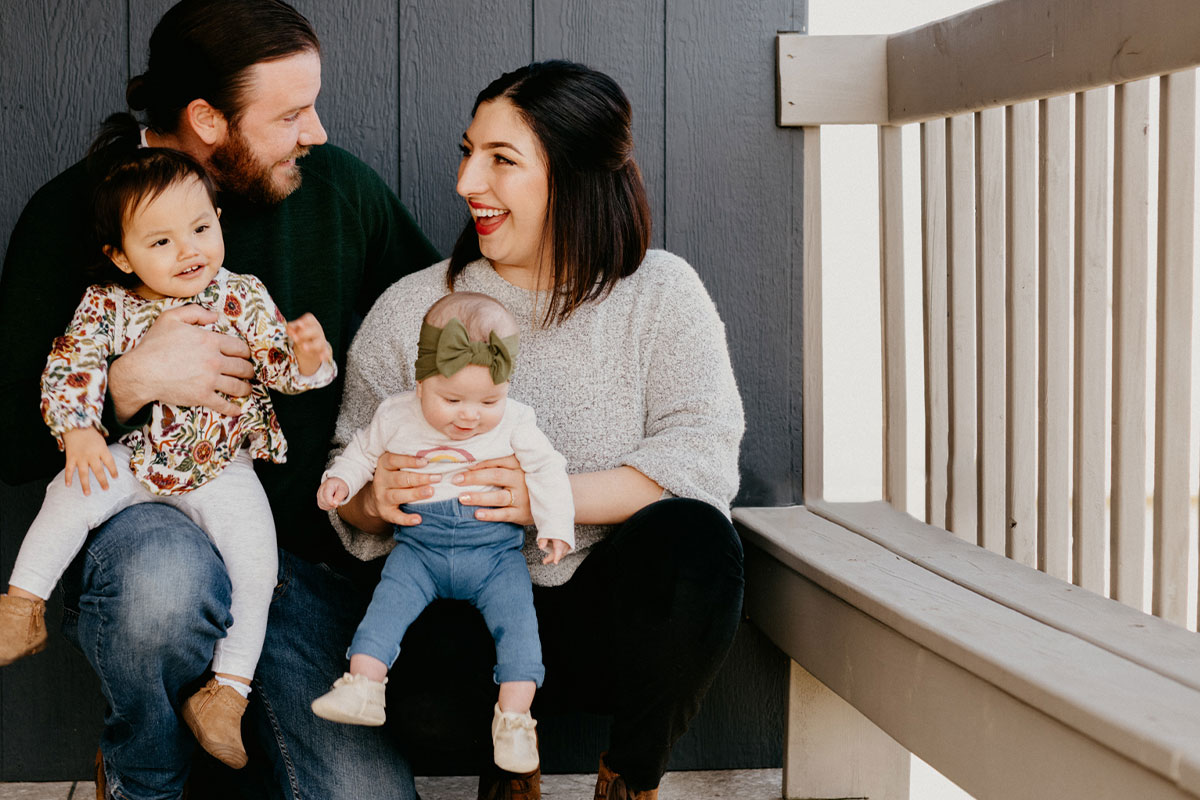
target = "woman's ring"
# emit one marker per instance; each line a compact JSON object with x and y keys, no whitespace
{"x":510,"y":498}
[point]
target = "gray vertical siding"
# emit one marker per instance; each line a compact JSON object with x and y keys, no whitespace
{"x":449,"y":50}
{"x":625,"y":39}
{"x":399,"y":79}
{"x":62,"y":65}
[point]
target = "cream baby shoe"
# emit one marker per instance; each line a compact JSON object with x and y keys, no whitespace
{"x":354,"y":700}
{"x":514,"y":740}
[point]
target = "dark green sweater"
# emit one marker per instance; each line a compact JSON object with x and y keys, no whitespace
{"x":330,"y":248}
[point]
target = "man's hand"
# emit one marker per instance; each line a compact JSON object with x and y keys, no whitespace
{"x":308,"y":340}
{"x":87,"y":451}
{"x":180,"y":363}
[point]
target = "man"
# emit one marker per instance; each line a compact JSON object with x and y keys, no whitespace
{"x":233,"y":83}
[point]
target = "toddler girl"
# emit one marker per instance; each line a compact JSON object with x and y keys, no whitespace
{"x":460,"y":413}
{"x":157,"y":222}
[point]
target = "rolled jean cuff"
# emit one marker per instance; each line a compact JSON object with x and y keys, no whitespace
{"x":387,"y":652}
{"x":521,"y":671}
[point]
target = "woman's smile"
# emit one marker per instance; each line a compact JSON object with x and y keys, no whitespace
{"x":487,"y":219}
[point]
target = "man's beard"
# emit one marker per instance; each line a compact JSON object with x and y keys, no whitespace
{"x":235,"y":169}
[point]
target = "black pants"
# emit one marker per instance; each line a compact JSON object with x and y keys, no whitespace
{"x":638,"y":632}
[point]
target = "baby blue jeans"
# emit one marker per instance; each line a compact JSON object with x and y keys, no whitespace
{"x":455,"y":556}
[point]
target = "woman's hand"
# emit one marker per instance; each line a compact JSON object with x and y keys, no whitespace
{"x":376,"y":507}
{"x":507,"y":503}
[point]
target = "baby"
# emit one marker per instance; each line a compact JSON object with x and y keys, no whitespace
{"x":459,"y":414}
{"x":157,"y":223}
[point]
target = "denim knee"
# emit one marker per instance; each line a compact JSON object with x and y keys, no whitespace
{"x":155,"y":577}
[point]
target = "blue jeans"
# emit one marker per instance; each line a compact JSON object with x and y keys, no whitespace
{"x":153,"y":599}
{"x":452,"y":555}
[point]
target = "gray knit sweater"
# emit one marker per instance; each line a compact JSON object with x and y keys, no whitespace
{"x":639,"y":378}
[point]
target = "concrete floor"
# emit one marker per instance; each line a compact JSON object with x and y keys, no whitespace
{"x":752,"y":784}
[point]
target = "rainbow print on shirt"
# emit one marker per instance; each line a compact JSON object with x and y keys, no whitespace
{"x":446,"y":455}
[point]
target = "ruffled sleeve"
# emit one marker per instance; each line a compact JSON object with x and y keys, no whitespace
{"x":250,"y":309}
{"x":76,"y":375}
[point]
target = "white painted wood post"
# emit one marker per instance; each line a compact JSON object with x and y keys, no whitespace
{"x":833,"y":751}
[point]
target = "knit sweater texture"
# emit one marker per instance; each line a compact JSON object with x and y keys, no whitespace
{"x":639,"y":378}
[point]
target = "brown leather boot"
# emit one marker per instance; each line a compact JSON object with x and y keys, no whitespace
{"x":22,"y":628}
{"x":214,"y":715}
{"x":101,"y":778}
{"x":611,"y":786}
{"x":496,"y":784}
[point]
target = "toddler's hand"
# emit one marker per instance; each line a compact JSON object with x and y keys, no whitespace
{"x":333,"y":493}
{"x":308,"y":340}
{"x":554,"y":549}
{"x":86,"y":450}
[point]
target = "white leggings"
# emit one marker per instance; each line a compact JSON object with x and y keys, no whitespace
{"x":231,"y":508}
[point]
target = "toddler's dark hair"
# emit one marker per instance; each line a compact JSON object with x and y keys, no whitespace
{"x":124,"y":177}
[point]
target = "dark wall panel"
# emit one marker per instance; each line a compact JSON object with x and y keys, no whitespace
{"x":360,"y":79}
{"x":60,"y":66}
{"x":730,"y":208}
{"x":449,"y":51}
{"x":625,"y":39}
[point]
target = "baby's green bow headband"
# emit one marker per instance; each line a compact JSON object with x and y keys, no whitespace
{"x":444,"y":351}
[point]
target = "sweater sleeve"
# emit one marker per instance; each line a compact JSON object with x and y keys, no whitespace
{"x":694,"y":418}
{"x":76,"y":375}
{"x":550,"y":498}
{"x":250,"y":309}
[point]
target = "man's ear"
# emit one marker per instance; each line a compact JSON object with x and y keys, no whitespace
{"x":118,"y":259}
{"x":206,"y":122}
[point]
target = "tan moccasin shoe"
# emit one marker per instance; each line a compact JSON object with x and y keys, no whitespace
{"x":214,"y":715}
{"x":22,"y":628}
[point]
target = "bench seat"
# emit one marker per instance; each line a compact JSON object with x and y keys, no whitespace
{"x":1010,"y":682}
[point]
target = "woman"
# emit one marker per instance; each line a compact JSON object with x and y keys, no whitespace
{"x":623,"y":357}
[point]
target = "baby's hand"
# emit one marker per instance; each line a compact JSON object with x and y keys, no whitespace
{"x":308,"y":340}
{"x":333,"y":492}
{"x":554,"y":549}
{"x":86,"y":450}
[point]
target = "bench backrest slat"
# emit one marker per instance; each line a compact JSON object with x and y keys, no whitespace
{"x":1036,"y":239}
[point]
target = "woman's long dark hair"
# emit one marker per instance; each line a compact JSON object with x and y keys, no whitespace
{"x":597,"y":217}
{"x":205,"y":49}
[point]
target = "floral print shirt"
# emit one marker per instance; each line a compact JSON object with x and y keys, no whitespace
{"x":181,"y":447}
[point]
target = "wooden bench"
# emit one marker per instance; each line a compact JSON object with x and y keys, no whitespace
{"x":1009,"y":681}
{"x":1005,"y":642}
